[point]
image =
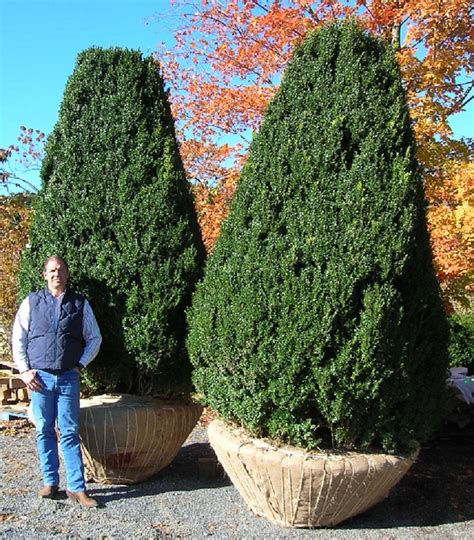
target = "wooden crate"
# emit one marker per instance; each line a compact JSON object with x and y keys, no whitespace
{"x":12,"y":388}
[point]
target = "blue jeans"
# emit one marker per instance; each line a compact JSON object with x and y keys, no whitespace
{"x":58,"y":401}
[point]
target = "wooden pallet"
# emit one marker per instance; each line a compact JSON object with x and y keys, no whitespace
{"x":12,"y":388}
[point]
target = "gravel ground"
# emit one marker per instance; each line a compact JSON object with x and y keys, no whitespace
{"x":435,"y":499}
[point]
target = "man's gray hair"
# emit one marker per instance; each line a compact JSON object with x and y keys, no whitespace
{"x":57,"y":258}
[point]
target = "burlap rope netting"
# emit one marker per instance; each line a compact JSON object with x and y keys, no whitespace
{"x":294,"y":488}
{"x":126,"y":439}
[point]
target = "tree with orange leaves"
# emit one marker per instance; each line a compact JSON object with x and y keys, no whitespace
{"x":451,"y":220}
{"x":15,"y":219}
{"x":212,"y":205}
{"x":227,"y":61}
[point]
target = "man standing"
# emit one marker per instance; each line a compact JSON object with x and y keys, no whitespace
{"x":55,"y":335}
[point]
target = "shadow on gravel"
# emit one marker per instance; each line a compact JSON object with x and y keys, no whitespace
{"x":438,"y":489}
{"x":194,"y":468}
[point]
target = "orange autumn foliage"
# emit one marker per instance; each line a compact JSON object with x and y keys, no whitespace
{"x":212,"y":206}
{"x":451,"y":208}
{"x":228,"y":58}
{"x":15,"y":219}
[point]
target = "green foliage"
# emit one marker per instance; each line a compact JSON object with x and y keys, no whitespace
{"x":461,"y":341}
{"x":116,"y":205}
{"x":319,"y":316}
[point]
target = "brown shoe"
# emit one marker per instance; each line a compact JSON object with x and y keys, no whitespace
{"x":48,"y":492}
{"x":82,"y":498}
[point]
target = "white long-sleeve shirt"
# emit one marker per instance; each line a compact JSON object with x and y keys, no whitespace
{"x":90,"y":333}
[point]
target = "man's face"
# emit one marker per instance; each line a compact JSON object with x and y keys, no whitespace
{"x":56,"y":275}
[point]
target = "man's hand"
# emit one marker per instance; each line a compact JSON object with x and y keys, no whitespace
{"x":31,"y":380}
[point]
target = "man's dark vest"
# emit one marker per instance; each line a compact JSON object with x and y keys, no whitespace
{"x":51,"y":347}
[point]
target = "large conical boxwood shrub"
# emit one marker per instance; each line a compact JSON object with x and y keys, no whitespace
{"x":319,"y":318}
{"x":116,"y":205}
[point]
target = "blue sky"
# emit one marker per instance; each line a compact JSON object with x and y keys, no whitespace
{"x":39,"y":42}
{"x":40,"y":39}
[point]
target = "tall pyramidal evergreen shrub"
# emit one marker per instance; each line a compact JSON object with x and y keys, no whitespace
{"x":116,"y":205}
{"x":319,"y":318}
